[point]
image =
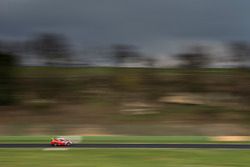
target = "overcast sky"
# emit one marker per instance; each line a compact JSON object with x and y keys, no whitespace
{"x":150,"y":24}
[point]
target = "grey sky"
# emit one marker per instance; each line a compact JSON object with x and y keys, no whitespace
{"x":146,"y":23}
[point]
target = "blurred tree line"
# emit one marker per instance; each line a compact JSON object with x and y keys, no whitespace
{"x":54,"y":83}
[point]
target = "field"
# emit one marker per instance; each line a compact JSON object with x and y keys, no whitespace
{"x":127,"y":101}
{"x":124,"y":158}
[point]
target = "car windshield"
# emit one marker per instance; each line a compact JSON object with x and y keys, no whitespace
{"x":61,"y":139}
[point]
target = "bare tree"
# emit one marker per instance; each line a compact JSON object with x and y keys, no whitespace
{"x":192,"y":79}
{"x":241,"y":79}
{"x":123,"y":53}
{"x":53,"y":48}
{"x":196,"y":58}
{"x":241,"y":53}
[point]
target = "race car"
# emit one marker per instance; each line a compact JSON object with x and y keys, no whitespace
{"x":60,"y":142}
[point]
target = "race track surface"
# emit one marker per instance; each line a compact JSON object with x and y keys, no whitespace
{"x":181,"y":146}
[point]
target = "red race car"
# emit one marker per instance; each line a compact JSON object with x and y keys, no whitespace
{"x":60,"y":142}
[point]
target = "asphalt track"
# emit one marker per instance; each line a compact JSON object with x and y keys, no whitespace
{"x":180,"y":146}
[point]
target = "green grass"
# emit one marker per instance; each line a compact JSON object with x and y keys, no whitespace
{"x":145,"y":139}
{"x":124,"y":158}
{"x":115,"y":139}
{"x":33,"y":71}
{"x":25,"y":139}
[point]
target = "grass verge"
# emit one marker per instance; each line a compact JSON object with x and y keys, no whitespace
{"x":124,"y":158}
{"x":117,"y":139}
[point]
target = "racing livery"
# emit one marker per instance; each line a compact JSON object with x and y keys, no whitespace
{"x":60,"y":142}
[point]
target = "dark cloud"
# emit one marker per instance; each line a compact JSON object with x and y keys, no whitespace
{"x":127,"y":21}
